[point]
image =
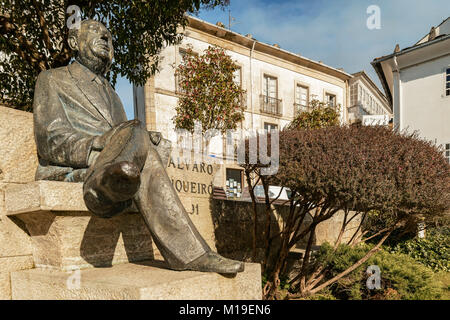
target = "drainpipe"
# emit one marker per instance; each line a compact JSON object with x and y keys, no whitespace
{"x":251,"y":82}
{"x":397,"y":94}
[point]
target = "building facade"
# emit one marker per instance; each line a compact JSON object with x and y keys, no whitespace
{"x":368,"y":105}
{"x":417,"y":85}
{"x":277,"y":83}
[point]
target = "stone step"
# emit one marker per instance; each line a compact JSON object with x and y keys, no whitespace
{"x":144,"y":281}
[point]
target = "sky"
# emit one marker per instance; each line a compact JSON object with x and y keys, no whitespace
{"x":332,"y":31}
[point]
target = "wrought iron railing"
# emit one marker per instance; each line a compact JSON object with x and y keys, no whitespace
{"x":270,"y":105}
{"x":298,"y":108}
{"x":243,"y":100}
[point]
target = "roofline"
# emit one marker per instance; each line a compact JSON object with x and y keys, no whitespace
{"x":199,"y":24}
{"x":440,"y":24}
{"x":376,"y":63}
{"x":380,"y":73}
{"x":409,"y":49}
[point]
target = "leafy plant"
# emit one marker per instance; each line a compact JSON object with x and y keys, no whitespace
{"x":320,"y":115}
{"x":33,"y":37}
{"x":209,"y":94}
{"x":432,"y":251}
{"x":376,"y":172}
{"x":401,"y":276}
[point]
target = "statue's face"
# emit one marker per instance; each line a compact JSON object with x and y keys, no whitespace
{"x":95,"y":41}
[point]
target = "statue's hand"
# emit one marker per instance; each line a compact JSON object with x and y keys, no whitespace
{"x":100,"y":142}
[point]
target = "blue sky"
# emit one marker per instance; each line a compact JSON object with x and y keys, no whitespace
{"x":333,"y":31}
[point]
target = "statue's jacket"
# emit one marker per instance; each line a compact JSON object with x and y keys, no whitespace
{"x":71,"y":106}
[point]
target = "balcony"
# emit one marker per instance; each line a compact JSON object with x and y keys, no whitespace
{"x":299,"y":108}
{"x":270,"y":105}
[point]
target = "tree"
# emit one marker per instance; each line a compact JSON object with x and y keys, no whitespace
{"x":209,"y":94}
{"x":356,"y":171}
{"x":33,"y":38}
{"x":320,"y":115}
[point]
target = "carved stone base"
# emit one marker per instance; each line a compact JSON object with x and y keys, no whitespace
{"x":145,"y":281}
{"x":66,"y":236}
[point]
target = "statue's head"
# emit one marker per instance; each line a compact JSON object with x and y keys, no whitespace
{"x":92,"y":43}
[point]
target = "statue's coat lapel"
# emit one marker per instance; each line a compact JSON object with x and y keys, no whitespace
{"x":84,"y":80}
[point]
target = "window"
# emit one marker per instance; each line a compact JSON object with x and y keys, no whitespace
{"x":354,"y":95}
{"x":237,"y":77}
{"x":447,"y":151}
{"x":270,"y":87}
{"x":447,"y":82}
{"x":234,"y":183}
{"x":269,"y":101}
{"x":330,"y":99}
{"x":301,"y":98}
{"x":183,"y":54}
{"x":270,"y":126}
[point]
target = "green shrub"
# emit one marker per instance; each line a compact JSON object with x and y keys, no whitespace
{"x":401,"y":276}
{"x":433,"y":251}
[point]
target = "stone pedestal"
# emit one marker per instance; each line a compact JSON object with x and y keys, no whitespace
{"x":79,"y":256}
{"x":66,"y":236}
{"x":144,"y":281}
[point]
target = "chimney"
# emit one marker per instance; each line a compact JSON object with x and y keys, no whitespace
{"x":220,"y":24}
{"x":432,"y":34}
{"x":276,"y":45}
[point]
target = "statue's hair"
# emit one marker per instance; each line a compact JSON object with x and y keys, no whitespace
{"x":75,"y":31}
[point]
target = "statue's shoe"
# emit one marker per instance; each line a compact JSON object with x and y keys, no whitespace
{"x":213,"y":262}
{"x":109,"y":190}
{"x":120,"y":181}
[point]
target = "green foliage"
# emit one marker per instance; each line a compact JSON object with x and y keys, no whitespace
{"x":401,"y":276}
{"x":364,"y":168}
{"x":209,"y":94}
{"x":33,"y":34}
{"x":320,"y":115}
{"x":433,"y":251}
{"x":392,"y":175}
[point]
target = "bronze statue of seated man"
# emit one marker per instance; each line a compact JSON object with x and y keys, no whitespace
{"x":82,"y":134}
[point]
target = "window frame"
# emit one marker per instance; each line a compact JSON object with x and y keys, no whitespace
{"x":179,"y":57}
{"x":268,"y":75}
{"x":241,"y":171}
{"x":271,"y":124}
{"x":267,"y":106}
{"x":447,"y":82}
{"x":305,"y":86}
{"x":330,"y":93}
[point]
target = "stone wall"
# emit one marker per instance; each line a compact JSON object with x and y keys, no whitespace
{"x":226,"y":225}
{"x":233,"y":226}
{"x":18,"y":163}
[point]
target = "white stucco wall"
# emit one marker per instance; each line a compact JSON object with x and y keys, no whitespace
{"x":287,"y":79}
{"x":424,"y":106}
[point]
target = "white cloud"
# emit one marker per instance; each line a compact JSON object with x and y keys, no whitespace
{"x":335,"y":31}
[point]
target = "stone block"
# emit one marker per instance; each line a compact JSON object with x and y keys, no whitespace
{"x":18,"y":159}
{"x":65,"y":235}
{"x":145,"y":281}
{"x":14,"y":241}
{"x":8,"y":264}
{"x":44,"y":196}
{"x":77,"y":240}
